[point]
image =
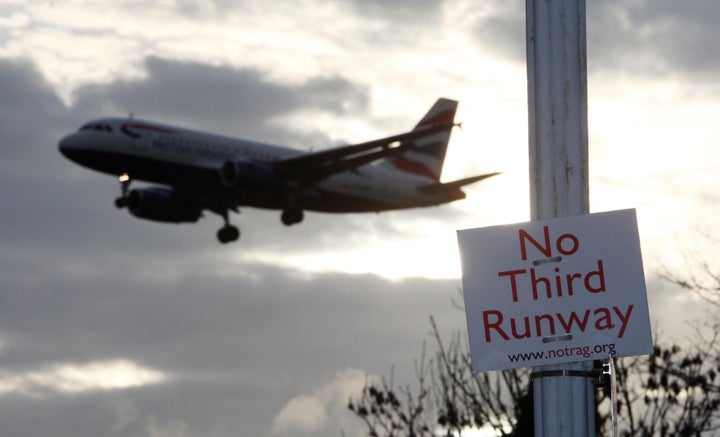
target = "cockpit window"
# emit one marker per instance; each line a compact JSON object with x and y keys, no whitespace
{"x":99,"y":127}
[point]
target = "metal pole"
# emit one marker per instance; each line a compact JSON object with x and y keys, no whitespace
{"x":564,"y":397}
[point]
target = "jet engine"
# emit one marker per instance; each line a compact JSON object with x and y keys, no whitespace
{"x":251,"y":175}
{"x":162,"y":205}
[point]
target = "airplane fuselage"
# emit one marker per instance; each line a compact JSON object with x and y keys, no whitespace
{"x":200,"y":171}
{"x":192,"y":160}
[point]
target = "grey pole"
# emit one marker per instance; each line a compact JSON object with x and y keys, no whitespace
{"x":564,"y":398}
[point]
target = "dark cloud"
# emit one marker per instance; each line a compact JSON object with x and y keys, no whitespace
{"x":201,"y":321}
{"x":242,"y":342}
{"x":234,"y":101}
{"x":30,"y":113}
{"x":400,"y":13}
{"x":35,"y":184}
{"x":641,"y":38}
{"x":664,"y":38}
{"x":503,"y":31}
{"x":38,"y":180}
{"x":222,"y":99}
{"x":81,"y":282}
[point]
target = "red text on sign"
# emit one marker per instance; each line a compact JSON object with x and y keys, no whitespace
{"x":555,"y":285}
{"x":549,"y":324}
{"x":566,"y":244}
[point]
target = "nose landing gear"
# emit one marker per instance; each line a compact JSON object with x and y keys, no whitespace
{"x":122,"y":201}
{"x":227,"y":234}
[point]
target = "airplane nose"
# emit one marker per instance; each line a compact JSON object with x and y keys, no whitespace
{"x":65,"y":146}
{"x":68,"y":147}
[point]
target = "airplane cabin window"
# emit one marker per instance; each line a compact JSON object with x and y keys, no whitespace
{"x":100,"y":127}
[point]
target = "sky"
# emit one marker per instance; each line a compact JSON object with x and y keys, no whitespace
{"x":113,"y":326}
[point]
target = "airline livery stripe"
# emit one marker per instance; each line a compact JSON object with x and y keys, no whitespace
{"x":415,"y":167}
{"x":433,"y":150}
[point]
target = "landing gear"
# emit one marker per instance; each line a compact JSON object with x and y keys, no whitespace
{"x":227,"y":233}
{"x":292,"y":216}
{"x":122,"y":201}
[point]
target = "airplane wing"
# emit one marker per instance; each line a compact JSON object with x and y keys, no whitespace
{"x":311,"y":168}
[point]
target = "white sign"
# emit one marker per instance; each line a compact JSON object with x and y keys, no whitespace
{"x":554,"y":291}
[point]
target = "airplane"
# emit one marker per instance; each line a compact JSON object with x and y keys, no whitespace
{"x":197,"y":171}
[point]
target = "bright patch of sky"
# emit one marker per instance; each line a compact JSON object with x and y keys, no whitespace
{"x":73,"y":378}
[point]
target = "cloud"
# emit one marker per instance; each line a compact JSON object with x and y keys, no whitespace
{"x":240,"y":336}
{"x":651,"y":39}
{"x":238,"y":341}
{"x":399,"y":13}
{"x":240,"y":101}
{"x":222,"y":99}
{"x":323,"y":408}
{"x":654,"y":38}
{"x":302,"y":413}
{"x":501,"y":30}
{"x":30,"y":111}
{"x":227,"y":100}
{"x":83,"y":283}
{"x":70,"y":378}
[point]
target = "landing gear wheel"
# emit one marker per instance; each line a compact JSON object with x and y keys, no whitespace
{"x":292,"y":216}
{"x":121,"y":202}
{"x":228,"y":233}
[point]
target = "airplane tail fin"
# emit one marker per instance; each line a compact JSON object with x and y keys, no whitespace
{"x":427,"y":156}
